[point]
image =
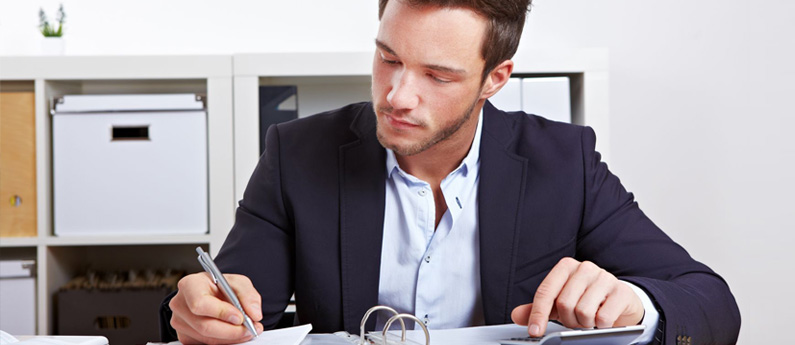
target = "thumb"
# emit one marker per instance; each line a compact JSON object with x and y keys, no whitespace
{"x":521,"y":314}
{"x":249,"y":298}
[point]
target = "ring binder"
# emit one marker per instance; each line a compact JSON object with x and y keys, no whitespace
{"x":376,"y":338}
{"x":367,"y":316}
{"x":401,"y":317}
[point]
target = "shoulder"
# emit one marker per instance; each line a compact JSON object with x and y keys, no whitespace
{"x":326,"y":128}
{"x":313,"y":142}
{"x":533,"y":136}
{"x":340,"y":118}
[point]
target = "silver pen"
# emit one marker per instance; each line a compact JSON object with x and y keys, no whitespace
{"x":207,"y":262}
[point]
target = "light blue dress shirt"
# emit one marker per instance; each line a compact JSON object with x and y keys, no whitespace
{"x":434,"y":274}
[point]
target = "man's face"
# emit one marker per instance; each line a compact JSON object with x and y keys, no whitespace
{"x":426,"y":75}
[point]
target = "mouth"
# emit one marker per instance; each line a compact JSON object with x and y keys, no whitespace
{"x":399,"y":123}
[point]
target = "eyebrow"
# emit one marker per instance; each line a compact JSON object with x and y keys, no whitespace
{"x":434,"y":67}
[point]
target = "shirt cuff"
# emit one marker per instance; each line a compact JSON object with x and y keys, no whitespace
{"x":650,"y":318}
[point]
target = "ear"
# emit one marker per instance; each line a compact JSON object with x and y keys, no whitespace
{"x":496,"y":79}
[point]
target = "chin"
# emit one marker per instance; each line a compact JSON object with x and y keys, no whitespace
{"x":400,"y":148}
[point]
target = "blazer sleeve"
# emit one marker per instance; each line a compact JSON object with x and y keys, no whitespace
{"x":260,"y":244}
{"x":695,"y":304}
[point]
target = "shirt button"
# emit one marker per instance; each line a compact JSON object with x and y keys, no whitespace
{"x":425,"y":320}
{"x":428,"y":258}
{"x":422,"y":192}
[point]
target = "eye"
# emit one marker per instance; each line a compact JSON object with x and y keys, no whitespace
{"x":437,"y":79}
{"x":387,"y":61}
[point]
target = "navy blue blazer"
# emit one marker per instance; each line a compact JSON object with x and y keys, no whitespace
{"x":311,"y":222}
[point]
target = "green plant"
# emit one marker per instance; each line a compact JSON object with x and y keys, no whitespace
{"x":47,"y":29}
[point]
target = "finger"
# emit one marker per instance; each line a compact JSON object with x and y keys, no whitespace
{"x":593,"y":297}
{"x":193,"y":329}
{"x":209,"y":330}
{"x":249,"y":298}
{"x":547,"y":292}
{"x":608,"y":313}
{"x":634,"y":311}
{"x":553,"y":315}
{"x":521,"y":314}
{"x":621,"y":308}
{"x":201,"y":297}
{"x":572,"y":292}
{"x":184,"y":331}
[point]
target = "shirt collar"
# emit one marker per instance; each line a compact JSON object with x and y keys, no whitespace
{"x":469,"y":163}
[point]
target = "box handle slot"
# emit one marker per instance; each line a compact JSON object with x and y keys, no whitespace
{"x":130,"y":133}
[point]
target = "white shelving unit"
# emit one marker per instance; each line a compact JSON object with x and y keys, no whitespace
{"x":231,"y":84}
{"x":58,"y":259}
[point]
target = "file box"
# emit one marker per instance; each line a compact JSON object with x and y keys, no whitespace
{"x":129,"y":165}
{"x":18,"y":296}
{"x":121,"y":306}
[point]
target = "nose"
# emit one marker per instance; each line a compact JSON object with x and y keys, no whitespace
{"x":403,"y":94}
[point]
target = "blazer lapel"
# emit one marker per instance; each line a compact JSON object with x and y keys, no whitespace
{"x":362,"y":191}
{"x":502,"y":179}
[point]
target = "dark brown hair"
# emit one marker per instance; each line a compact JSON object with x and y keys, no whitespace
{"x":505,"y":23}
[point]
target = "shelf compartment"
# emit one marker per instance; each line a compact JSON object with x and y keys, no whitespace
{"x":66,"y":262}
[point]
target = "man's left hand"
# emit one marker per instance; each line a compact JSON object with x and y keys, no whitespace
{"x":580,"y":295}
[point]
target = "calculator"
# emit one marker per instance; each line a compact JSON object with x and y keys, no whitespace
{"x":595,"y":336}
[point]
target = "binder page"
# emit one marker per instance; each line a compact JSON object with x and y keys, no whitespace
{"x":329,"y":339}
{"x":483,"y":335}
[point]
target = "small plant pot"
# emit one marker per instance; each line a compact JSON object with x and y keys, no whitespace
{"x":52,"y":46}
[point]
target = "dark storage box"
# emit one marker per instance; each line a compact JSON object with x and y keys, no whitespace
{"x":124,"y":316}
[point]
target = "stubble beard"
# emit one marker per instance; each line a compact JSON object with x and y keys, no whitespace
{"x":416,"y":148}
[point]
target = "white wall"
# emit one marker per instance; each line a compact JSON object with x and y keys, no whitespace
{"x":699,"y":97}
{"x":700,"y":101}
{"x":192,"y":26}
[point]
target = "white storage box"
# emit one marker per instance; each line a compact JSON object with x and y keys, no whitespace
{"x":548,"y":97}
{"x":545,"y":96}
{"x":18,"y":296}
{"x":129,"y":165}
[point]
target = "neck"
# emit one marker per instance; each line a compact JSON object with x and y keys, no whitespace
{"x":438,"y":161}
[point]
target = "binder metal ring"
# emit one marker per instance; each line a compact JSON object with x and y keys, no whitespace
{"x":401,"y":317}
{"x":367,"y":316}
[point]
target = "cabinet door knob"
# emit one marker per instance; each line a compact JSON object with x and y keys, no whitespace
{"x":15,"y":201}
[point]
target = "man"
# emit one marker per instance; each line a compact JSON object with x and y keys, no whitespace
{"x":434,"y":202}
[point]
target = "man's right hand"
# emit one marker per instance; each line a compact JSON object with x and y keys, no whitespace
{"x":202,"y":314}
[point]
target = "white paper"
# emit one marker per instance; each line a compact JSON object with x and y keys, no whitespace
{"x":284,"y":336}
{"x":61,"y":340}
{"x":6,"y":338}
